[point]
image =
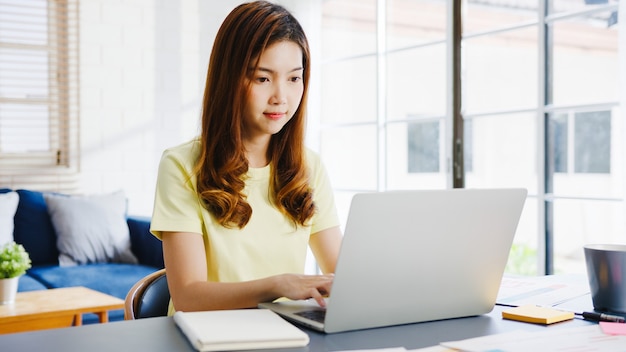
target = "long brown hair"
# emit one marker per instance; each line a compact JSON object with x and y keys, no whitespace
{"x":221,"y":167}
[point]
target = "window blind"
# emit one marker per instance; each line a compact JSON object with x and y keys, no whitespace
{"x":39,"y":102}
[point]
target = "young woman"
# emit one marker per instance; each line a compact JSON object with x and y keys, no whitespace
{"x":237,"y":207}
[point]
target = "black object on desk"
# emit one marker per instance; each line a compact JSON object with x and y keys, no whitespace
{"x":594,"y":316}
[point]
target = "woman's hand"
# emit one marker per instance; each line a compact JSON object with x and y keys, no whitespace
{"x":294,"y":286}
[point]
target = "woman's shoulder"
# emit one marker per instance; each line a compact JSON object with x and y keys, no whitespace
{"x":314,"y":162}
{"x":186,"y":152}
{"x":311,"y":156}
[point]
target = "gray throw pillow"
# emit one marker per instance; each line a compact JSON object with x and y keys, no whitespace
{"x":91,"y":229}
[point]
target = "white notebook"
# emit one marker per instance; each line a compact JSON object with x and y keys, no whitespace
{"x":227,"y":330}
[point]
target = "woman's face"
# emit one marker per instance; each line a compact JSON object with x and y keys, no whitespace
{"x":276,"y":89}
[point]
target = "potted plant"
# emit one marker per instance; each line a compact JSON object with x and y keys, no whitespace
{"x":14,"y":261}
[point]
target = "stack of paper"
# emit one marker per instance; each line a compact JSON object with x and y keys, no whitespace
{"x":226,"y":330}
{"x":585,"y":338}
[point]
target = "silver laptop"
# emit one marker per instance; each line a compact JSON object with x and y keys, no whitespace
{"x":415,"y":256}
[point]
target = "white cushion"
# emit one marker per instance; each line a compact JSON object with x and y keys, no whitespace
{"x":8,"y":207}
{"x":90,"y":229}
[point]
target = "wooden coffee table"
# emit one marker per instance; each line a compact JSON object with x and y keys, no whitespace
{"x":55,"y":308}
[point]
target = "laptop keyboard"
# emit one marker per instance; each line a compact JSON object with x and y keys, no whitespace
{"x":316,"y":315}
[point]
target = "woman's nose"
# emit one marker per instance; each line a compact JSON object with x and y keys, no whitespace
{"x":279,"y":94}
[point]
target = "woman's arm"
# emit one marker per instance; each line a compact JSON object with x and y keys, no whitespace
{"x":325,"y":246}
{"x":186,"y":265}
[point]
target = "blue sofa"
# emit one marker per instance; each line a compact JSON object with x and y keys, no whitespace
{"x":34,"y":230}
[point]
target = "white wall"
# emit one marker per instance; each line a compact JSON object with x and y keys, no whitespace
{"x":135,"y":57}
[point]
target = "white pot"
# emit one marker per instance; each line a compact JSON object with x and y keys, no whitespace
{"x":8,"y":290}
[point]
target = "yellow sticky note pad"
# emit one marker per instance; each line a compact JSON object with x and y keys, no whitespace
{"x":537,"y":315}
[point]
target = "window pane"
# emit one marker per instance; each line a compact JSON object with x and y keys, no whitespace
{"x":343,"y":199}
{"x":350,"y":157}
{"x":592,"y":142}
{"x":523,"y":257}
{"x":468,"y":145}
{"x":17,"y":118}
{"x":25,"y":65}
{"x":24,"y":74}
{"x":416,"y":82}
{"x":26,"y":25}
{"x":348,"y":28}
{"x":504,"y":151}
{"x":411,"y":22}
{"x":415,"y":157}
{"x":585,"y":63}
{"x":588,"y":161}
{"x":500,"y":71}
{"x":558,"y":141}
{"x":423,"y":147}
{"x":560,"y":6}
{"x":483,"y":15}
{"x":349,"y":91}
{"x":579,"y":222}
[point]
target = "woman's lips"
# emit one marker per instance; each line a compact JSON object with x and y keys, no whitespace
{"x":274,"y":115}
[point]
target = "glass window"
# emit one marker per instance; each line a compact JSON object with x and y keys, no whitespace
{"x":558,"y":153}
{"x":523,"y":255}
{"x":16,"y":119}
{"x":349,"y":154}
{"x":349,"y":91}
{"x":468,"y":145}
{"x":343,"y":199}
{"x":592,"y":142}
{"x":500,"y":71}
{"x":416,"y":82}
{"x":512,"y":78}
{"x":423,"y":144}
{"x":504,"y":148}
{"x":24,"y":75}
{"x":578,"y":222}
{"x":348,"y":28}
{"x":412,"y":22}
{"x":39,"y":100}
{"x":481,"y":15}
{"x":584,"y":67}
{"x":561,"y":6}
{"x":415,"y":155}
{"x":586,"y":152}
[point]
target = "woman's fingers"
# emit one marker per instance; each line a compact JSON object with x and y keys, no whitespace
{"x":308,"y":286}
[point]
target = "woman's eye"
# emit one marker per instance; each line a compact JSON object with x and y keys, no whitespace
{"x":295,"y":79}
{"x":262,"y":79}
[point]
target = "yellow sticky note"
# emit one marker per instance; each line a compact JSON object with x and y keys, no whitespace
{"x":537,"y":315}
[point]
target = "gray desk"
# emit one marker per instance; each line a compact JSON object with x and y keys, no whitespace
{"x":161,"y":334}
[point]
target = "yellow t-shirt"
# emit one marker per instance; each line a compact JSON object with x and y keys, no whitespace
{"x":269,"y":244}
